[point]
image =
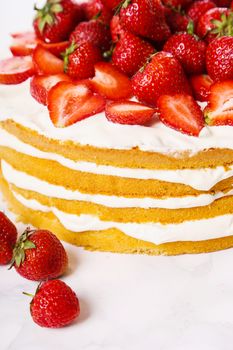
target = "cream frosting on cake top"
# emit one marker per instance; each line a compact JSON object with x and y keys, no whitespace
{"x":16,"y":103}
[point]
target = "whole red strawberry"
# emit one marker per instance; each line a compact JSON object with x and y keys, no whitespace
{"x":8,"y":236}
{"x":94,"y":31}
{"x":162,"y":75}
{"x":97,"y":9}
{"x":80,"y":60}
{"x":199,"y":8}
{"x":131,"y":53}
{"x":145,"y":18}
{"x":222,"y":3}
{"x":215,"y":22}
{"x":39,"y":255}
{"x":55,"y":21}
{"x":189,"y":50}
{"x":177,"y":20}
{"x":55,"y":305}
{"x":176,"y":3}
{"x":219,"y":58}
{"x":112,"y":4}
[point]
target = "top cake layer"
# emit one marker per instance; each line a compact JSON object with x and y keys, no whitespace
{"x":16,"y":103}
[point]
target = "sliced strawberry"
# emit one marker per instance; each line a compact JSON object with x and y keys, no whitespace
{"x":110,"y":83}
{"x":40,"y":85}
{"x":23,"y":43}
{"x":201,"y":86}
{"x":46,"y":62}
{"x":182,"y":113}
{"x":15,"y":70}
{"x":55,"y":48}
{"x":69,"y":103}
{"x":129,"y":112}
{"x":219,"y":110}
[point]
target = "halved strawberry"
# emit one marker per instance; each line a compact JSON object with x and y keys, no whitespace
{"x":201,"y":86}
{"x":40,"y":85}
{"x":219,"y":110}
{"x":47,"y":63}
{"x":23,"y":43}
{"x":15,"y":70}
{"x":129,"y":112}
{"x":182,"y":113}
{"x":55,"y":48}
{"x":110,"y":83}
{"x":69,"y":103}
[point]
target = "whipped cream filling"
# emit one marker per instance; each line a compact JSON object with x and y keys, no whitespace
{"x":201,"y":179}
{"x":16,"y":103}
{"x":220,"y":226}
{"x":31,"y":183}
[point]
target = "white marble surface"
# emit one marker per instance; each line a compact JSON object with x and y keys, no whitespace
{"x":127,"y":302}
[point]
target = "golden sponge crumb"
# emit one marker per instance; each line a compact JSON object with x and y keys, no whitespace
{"x":111,"y":240}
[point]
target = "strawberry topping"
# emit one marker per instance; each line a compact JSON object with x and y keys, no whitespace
{"x":219,"y":110}
{"x":129,"y":112}
{"x":15,"y":70}
{"x":46,"y":62}
{"x":182,"y":113}
{"x":111,"y":83}
{"x":40,"y":85}
{"x":69,"y":103}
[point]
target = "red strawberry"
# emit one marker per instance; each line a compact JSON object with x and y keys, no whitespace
{"x":55,"y":20}
{"x":176,"y":3}
{"x":222,"y":3}
{"x":145,"y":18}
{"x":40,"y":85}
{"x":201,"y":86}
{"x":162,"y":75}
{"x":199,"y":8}
{"x":55,"y":48}
{"x":69,"y":103}
{"x":47,"y":63}
{"x":116,"y":28}
{"x":39,"y":255}
{"x":129,"y":112}
{"x":131,"y":53}
{"x":215,"y":21}
{"x":15,"y":70}
{"x":219,"y":58}
{"x":219,"y":110}
{"x":97,"y":9}
{"x":112,"y":4}
{"x":189,"y":50}
{"x":8,"y":236}
{"x":94,"y":32}
{"x":23,"y":43}
{"x":111,"y":83}
{"x":182,"y":113}
{"x":177,"y":20}
{"x":55,"y":305}
{"x":80,"y":60}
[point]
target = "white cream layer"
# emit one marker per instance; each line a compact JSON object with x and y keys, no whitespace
{"x":221,"y":226}
{"x":201,"y":179}
{"x":28,"y":182}
{"x":16,"y":103}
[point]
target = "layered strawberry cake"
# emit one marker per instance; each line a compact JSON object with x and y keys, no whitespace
{"x":120,"y":139}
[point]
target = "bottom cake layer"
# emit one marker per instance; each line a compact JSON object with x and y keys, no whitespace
{"x":111,"y":240}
